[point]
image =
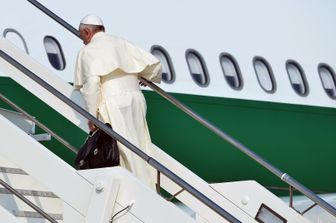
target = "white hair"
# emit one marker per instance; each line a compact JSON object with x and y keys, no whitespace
{"x":93,"y":28}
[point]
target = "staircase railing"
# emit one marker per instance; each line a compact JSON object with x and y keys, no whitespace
{"x":151,"y":161}
{"x":28,"y":202}
{"x":282,"y":175}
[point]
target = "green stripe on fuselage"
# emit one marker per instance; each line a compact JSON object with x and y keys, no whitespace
{"x":298,"y":140}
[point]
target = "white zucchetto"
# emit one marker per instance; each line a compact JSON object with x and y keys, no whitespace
{"x":92,"y":20}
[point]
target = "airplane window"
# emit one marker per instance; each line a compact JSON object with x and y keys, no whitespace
{"x":15,"y":37}
{"x":264,"y":74}
{"x":54,"y":52}
{"x":231,"y":71}
{"x":168,"y":73}
{"x":197,"y":68}
{"x":297,"y":77}
{"x":327,"y":76}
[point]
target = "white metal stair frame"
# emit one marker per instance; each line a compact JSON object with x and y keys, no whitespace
{"x":316,"y":214}
{"x":88,"y":196}
{"x":249,"y":195}
{"x":228,"y":195}
{"x":148,"y":206}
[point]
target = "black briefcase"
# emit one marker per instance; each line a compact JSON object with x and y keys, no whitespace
{"x":99,"y":150}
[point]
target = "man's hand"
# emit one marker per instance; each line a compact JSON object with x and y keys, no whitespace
{"x":142,"y":84}
{"x":92,"y":126}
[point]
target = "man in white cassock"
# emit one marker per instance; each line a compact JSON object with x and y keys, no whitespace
{"x":106,"y":74}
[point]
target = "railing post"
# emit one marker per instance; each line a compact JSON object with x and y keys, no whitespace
{"x":290,"y":196}
{"x":158,"y":184}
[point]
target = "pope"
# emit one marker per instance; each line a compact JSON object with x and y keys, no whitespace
{"x":106,"y":74}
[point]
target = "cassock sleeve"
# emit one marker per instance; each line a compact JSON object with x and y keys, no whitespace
{"x":78,"y":81}
{"x":91,"y":94}
{"x":152,"y":73}
{"x":141,"y":62}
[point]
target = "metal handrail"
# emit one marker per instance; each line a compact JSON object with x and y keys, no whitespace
{"x":55,"y":17}
{"x":28,"y":202}
{"x":39,"y":124}
{"x":282,"y":175}
{"x":151,"y":161}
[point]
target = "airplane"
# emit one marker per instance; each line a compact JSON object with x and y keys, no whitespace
{"x":262,"y":71}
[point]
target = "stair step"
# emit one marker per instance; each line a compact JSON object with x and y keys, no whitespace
{"x":12,"y":170}
{"x":32,"y":214}
{"x":30,"y":193}
{"x":34,"y":220}
{"x":13,"y":203}
{"x":23,"y":182}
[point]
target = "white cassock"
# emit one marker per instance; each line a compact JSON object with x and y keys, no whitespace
{"x":107,"y":72}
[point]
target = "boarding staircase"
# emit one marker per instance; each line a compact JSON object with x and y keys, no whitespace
{"x":67,"y":195}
